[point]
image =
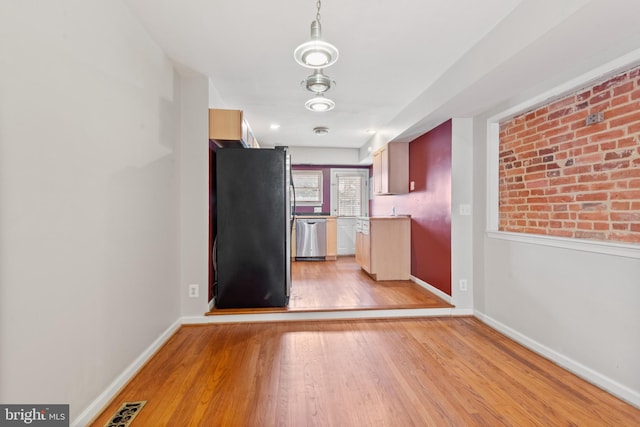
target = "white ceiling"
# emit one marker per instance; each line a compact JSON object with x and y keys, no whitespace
{"x":398,"y":59}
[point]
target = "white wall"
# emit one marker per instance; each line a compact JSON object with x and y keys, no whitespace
{"x":324,"y":156}
{"x":580,"y":308}
{"x":194,"y":193}
{"x":461,"y":225}
{"x":89,"y":112}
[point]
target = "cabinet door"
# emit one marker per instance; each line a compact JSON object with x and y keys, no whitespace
{"x":332,"y":235}
{"x":384,"y":170}
{"x":358,"y":240}
{"x":366,"y":252}
{"x":390,"y":249}
{"x":378,"y":174}
{"x":397,"y":168}
{"x":225,"y":125}
{"x":391,"y":169}
{"x":365,"y":244}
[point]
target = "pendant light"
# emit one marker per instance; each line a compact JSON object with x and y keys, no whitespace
{"x":318,"y":82}
{"x":316,"y":53}
{"x":320,"y":104}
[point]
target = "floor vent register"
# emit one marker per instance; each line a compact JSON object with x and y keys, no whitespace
{"x":125,"y":414}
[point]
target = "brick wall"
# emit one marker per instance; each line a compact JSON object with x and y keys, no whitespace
{"x":561,"y":177}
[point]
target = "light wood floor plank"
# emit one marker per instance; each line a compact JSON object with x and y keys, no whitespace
{"x":398,"y":372}
{"x":342,"y":285}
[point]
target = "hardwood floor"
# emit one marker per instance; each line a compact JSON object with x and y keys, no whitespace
{"x":342,"y":285}
{"x":394,"y":372}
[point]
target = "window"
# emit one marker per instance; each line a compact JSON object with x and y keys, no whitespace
{"x":562,"y":175}
{"x":349,"y":195}
{"x":308,"y":185}
{"x":602,"y":192}
{"x":350,"y":192}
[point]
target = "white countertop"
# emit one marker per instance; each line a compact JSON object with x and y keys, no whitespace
{"x":384,"y":217}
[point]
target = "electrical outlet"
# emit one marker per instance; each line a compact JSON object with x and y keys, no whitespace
{"x":464,"y":285}
{"x":194,"y":291}
{"x":595,"y":118}
{"x":465,"y":209}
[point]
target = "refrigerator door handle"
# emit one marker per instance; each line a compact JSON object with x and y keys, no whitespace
{"x":292,"y":216}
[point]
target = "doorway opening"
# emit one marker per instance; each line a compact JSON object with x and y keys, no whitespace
{"x":349,"y":200}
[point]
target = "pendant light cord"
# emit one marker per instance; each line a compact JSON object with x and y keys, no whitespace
{"x":318,"y":5}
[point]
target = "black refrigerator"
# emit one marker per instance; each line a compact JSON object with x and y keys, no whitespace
{"x":252,"y":249}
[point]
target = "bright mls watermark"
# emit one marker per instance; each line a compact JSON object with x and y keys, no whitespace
{"x":34,"y":415}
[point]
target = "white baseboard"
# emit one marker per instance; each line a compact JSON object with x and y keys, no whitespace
{"x":462,"y":312}
{"x":615,"y":388}
{"x":324,"y":315}
{"x":432,"y":289}
{"x":105,"y":397}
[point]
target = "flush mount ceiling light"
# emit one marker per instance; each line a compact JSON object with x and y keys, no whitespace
{"x":319,"y":103}
{"x":318,"y":82}
{"x":316,"y":53}
{"x":321,"y":130}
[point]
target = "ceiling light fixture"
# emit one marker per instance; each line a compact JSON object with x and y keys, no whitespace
{"x":321,"y":130}
{"x":318,"y":82}
{"x":316,"y":53}
{"x":319,"y":103}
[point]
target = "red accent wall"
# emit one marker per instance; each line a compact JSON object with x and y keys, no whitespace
{"x":429,"y":206}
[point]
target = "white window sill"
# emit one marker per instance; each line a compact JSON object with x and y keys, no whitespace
{"x":608,"y":248}
{"x":308,"y":203}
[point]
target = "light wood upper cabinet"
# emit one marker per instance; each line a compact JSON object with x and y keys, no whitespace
{"x":391,"y":169}
{"x":229,"y":126}
{"x":383,"y":247}
{"x":226,"y":125}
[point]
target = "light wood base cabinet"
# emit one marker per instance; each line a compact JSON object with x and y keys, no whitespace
{"x":332,"y":238}
{"x":383,"y":247}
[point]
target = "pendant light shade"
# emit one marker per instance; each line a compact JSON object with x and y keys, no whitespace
{"x":318,"y":82}
{"x":320,"y":104}
{"x":316,"y":53}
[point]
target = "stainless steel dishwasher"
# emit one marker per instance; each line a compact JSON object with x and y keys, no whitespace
{"x":311,"y":239}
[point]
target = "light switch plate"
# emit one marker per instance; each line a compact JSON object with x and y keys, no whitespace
{"x":194,"y":291}
{"x":465,"y":209}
